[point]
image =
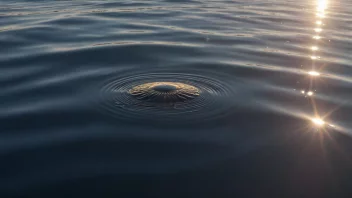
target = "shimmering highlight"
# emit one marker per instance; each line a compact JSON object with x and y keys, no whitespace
{"x":314,"y":73}
{"x":318,"y":121}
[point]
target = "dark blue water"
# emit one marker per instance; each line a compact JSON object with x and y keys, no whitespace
{"x":262,"y":104}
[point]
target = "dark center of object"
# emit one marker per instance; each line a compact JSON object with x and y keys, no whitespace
{"x":164,"y":88}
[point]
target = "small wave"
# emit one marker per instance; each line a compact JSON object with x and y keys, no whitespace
{"x":215,"y":99}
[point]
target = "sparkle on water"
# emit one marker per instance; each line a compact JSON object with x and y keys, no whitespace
{"x":317,"y":29}
{"x":314,"y":57}
{"x":318,"y":121}
{"x":322,"y":4}
{"x":314,"y":73}
{"x":320,"y":15}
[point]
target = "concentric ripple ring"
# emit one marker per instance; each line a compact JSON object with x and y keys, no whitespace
{"x":164,"y":92}
{"x":169,"y":97}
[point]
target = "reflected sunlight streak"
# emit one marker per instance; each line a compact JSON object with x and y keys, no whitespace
{"x":322,"y":4}
{"x":317,"y":29}
{"x":318,"y":121}
{"x":314,"y":48}
{"x":314,"y":57}
{"x":314,"y":73}
{"x":320,"y":15}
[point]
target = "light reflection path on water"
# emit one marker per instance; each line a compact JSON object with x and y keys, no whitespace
{"x":320,"y":14}
{"x":318,"y":120}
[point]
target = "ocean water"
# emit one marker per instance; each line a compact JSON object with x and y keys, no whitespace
{"x":261,"y":107}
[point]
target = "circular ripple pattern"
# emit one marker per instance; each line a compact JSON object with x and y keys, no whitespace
{"x":164,"y":92}
{"x":130,"y":97}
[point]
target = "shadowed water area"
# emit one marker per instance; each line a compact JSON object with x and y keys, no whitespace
{"x":176,"y":99}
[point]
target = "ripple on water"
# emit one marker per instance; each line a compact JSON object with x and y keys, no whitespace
{"x":171,"y":96}
{"x":165,"y":92}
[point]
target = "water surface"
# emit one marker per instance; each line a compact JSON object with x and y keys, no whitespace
{"x":273,"y":117}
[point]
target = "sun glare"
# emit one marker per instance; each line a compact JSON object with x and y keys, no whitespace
{"x":318,"y":121}
{"x":322,"y":4}
{"x":314,"y":57}
{"x":317,"y":29}
{"x":314,"y":73}
{"x":314,"y":48}
{"x":320,"y":15}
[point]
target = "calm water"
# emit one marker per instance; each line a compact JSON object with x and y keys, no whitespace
{"x":270,"y":114}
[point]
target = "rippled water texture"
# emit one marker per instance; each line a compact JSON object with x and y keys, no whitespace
{"x":176,"y":99}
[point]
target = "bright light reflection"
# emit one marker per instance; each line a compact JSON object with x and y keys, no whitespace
{"x":314,"y":48}
{"x":317,"y":29}
{"x":303,"y":92}
{"x":322,"y":5}
{"x":319,"y":22}
{"x":314,"y":57}
{"x":316,"y":37}
{"x":318,"y":121}
{"x":320,"y":15}
{"x":310,"y":93}
{"x":313,"y":73}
